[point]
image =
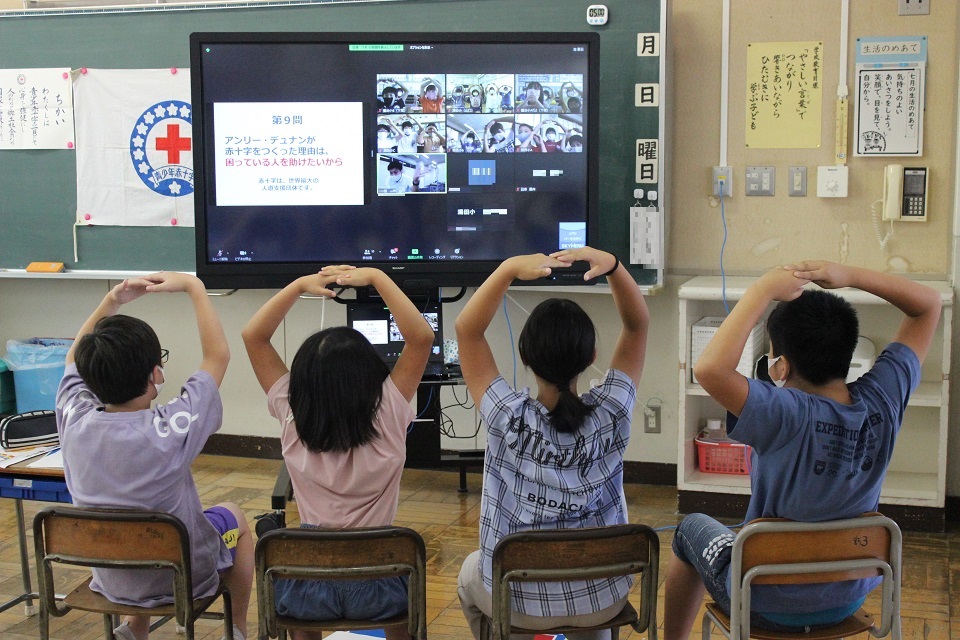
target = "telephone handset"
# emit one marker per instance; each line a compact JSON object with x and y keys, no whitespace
{"x":905,"y":193}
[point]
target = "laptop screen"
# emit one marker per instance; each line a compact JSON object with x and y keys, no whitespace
{"x":374,"y":320}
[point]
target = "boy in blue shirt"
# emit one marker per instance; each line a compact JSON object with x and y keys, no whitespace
{"x":820,"y":446}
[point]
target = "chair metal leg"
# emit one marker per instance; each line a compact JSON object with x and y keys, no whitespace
{"x":108,"y":625}
{"x":705,"y":633}
{"x":43,"y":620}
{"x":227,"y":615}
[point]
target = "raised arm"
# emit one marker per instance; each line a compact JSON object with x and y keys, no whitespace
{"x":631,"y":348}
{"x":267,"y":363}
{"x":214,"y":349}
{"x":417,"y":174}
{"x":403,"y":88}
{"x":476,"y":359}
{"x":397,"y":134}
{"x":919,"y":303}
{"x":716,"y":369}
{"x":125,"y":292}
{"x":539,"y":141}
{"x":488,"y":146}
{"x":416,"y":331}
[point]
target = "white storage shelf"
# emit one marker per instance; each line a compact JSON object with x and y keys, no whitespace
{"x":923,"y":440}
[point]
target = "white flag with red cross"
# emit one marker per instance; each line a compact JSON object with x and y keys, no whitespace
{"x":134,"y":147}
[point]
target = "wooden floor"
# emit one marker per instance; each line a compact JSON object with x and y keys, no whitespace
{"x":448,"y":520}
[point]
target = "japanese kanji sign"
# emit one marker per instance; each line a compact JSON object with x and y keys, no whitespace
{"x":36,"y":109}
{"x":889,"y":96}
{"x":784,"y":95}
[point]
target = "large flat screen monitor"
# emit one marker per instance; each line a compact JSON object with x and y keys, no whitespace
{"x":432,"y":157}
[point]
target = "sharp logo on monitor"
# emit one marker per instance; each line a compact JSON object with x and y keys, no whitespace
{"x":322,"y":148}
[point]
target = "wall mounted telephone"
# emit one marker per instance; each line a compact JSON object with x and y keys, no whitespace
{"x":905,"y":193}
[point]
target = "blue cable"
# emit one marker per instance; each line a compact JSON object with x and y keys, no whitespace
{"x":425,"y":407}
{"x":723,"y":275}
{"x":513,"y":349}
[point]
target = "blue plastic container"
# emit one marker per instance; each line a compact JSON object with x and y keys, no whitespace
{"x":37,"y":366}
{"x":7,"y":402}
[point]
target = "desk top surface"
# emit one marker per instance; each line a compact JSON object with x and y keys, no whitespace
{"x":23,"y":469}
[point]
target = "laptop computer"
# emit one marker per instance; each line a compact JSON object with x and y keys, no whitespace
{"x":374,"y":320}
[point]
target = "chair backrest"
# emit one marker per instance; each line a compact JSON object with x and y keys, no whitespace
{"x":777,"y":551}
{"x":337,"y":554}
{"x":562,"y":555}
{"x":113,"y":538}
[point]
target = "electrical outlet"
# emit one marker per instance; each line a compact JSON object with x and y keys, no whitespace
{"x":724,"y":175}
{"x":651,"y":419}
{"x":914,"y":8}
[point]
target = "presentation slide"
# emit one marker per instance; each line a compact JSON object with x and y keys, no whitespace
{"x":374,"y":330}
{"x":288,"y":153}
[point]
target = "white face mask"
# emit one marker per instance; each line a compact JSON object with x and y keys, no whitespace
{"x":159,"y":385}
{"x":770,"y":364}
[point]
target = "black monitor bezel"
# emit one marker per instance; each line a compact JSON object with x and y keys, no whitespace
{"x":412,"y":276}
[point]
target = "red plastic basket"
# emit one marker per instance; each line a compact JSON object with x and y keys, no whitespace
{"x":723,"y":457}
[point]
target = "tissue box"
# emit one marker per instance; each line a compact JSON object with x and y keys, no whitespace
{"x":863,"y":358}
{"x":702,"y":331}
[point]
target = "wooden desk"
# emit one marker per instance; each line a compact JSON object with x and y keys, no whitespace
{"x":21,"y":482}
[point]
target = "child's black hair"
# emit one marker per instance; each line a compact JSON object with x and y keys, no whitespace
{"x":116,"y":359}
{"x":558,"y":342}
{"x":336,"y":386}
{"x":817,"y":332}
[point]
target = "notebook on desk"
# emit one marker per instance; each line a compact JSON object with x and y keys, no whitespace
{"x":374,"y":320}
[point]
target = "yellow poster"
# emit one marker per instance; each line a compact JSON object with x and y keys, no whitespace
{"x":784,"y":95}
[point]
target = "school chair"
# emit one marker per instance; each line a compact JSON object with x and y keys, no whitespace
{"x":340,"y":554}
{"x":562,"y":555}
{"x":118,"y":539}
{"x":777,"y":551}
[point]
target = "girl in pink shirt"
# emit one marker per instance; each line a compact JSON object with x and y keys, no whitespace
{"x":343,"y":418}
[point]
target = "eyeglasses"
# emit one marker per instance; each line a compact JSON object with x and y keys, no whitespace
{"x":164,"y":356}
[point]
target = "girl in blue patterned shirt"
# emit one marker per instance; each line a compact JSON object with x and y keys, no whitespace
{"x":555,"y":460}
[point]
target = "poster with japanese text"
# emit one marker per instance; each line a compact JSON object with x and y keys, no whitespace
{"x":889,"y":96}
{"x":784,"y":95}
{"x":36,"y":109}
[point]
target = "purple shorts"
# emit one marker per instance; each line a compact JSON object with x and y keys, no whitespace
{"x":226,"y":525}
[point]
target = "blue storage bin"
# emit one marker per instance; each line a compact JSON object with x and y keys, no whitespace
{"x":37,"y":366}
{"x":30,"y":489}
{"x":8,"y":403}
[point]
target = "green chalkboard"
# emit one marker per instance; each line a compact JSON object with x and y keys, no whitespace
{"x":38,"y":188}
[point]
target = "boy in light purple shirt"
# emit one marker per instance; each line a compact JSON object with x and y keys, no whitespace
{"x":118,"y":452}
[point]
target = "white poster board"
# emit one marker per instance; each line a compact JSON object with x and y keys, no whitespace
{"x":289,"y":153}
{"x":890,"y":76}
{"x":36,"y":109}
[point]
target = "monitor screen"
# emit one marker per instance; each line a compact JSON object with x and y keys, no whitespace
{"x":374,"y":320}
{"x":432,"y":157}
